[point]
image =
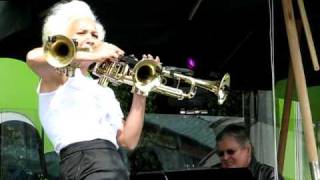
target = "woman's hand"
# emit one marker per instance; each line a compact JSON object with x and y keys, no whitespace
{"x":149,"y":56}
{"x":106,"y":51}
{"x":103,"y":52}
{"x":143,"y":89}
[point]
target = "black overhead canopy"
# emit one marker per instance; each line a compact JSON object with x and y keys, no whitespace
{"x":222,"y":36}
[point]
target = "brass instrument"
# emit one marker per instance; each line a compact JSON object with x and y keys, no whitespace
{"x":149,"y":76}
{"x":59,"y":52}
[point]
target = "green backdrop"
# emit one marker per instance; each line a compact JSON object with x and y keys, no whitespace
{"x":18,"y":92}
{"x":290,"y":164}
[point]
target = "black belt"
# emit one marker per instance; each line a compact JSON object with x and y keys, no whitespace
{"x":86,"y":145}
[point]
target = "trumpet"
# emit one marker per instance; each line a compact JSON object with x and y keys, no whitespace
{"x":59,"y":51}
{"x":148,"y":76}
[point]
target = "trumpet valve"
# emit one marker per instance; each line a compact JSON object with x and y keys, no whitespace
{"x":70,"y":71}
{"x":103,"y":81}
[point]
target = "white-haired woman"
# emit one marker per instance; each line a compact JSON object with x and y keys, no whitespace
{"x":83,"y":120}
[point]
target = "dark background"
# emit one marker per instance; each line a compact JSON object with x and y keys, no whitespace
{"x":222,"y":36}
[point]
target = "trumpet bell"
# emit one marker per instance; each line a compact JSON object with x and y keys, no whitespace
{"x":59,"y":51}
{"x":224,"y":89}
{"x":145,"y":71}
{"x":146,"y":76}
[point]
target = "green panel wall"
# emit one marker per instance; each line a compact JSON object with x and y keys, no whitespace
{"x":18,"y":85}
{"x":290,"y":170}
{"x":314,"y":97}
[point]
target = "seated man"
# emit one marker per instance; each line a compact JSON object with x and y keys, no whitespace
{"x":235,"y":151}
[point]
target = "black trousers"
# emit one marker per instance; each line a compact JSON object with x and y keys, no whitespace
{"x":92,"y":160}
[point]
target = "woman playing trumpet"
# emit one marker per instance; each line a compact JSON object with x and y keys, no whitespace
{"x":82,"y":119}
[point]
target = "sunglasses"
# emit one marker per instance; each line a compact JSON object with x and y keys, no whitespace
{"x":230,"y":152}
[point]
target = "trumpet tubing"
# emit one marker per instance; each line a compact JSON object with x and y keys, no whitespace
{"x":149,"y":76}
{"x":115,"y":73}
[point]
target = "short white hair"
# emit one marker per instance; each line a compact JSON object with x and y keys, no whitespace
{"x":61,"y":16}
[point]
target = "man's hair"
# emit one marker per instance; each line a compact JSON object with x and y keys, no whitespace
{"x":63,"y":13}
{"x":236,"y":131}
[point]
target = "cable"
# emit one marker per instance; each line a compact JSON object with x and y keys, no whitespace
{"x":194,"y":10}
{"x":235,"y":50}
{"x":271,"y":35}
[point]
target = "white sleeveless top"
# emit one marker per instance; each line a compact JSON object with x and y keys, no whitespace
{"x":80,"y":110}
